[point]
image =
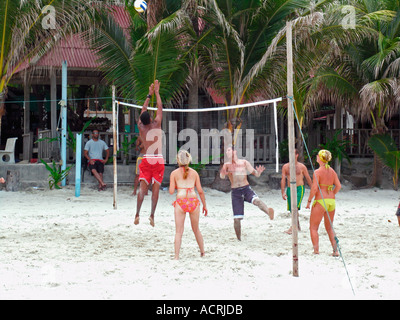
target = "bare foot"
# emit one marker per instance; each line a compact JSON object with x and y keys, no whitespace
{"x":335,"y":254}
{"x":202,"y":254}
{"x":264,"y":207}
{"x":289,"y":231}
{"x":136,"y":220}
{"x":271,"y":213}
{"x":151,"y":221}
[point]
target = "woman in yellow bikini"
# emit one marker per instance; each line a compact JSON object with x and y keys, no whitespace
{"x":184,"y":180}
{"x":325,"y":186}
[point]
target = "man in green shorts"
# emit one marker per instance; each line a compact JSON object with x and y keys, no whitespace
{"x":301,"y":172}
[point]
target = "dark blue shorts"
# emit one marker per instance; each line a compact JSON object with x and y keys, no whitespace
{"x":239,"y":196}
{"x":398,"y":211}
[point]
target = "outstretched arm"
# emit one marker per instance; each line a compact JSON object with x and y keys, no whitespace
{"x":147,"y":101}
{"x":159,"y":102}
{"x":257,"y":171}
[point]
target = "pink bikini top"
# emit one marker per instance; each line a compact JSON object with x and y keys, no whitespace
{"x":187,"y":190}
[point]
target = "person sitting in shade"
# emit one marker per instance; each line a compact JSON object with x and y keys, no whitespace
{"x":93,"y":152}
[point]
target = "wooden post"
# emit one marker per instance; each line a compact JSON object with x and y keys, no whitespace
{"x":64,"y":120}
{"x":292,"y":160}
{"x":114,"y":148}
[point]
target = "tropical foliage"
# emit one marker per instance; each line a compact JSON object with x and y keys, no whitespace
{"x":346,"y":52}
{"x":56,"y":174}
{"x":385,"y":147}
{"x":28,"y":29}
{"x":362,"y":75}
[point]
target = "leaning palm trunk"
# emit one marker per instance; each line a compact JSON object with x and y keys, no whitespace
{"x":154,"y":11}
{"x":2,"y":108}
{"x":376,"y":180}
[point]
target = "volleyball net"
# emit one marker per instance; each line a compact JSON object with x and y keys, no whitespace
{"x":255,"y":138}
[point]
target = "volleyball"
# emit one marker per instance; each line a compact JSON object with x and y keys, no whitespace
{"x":140,"y":6}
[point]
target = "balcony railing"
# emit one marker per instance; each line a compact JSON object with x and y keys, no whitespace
{"x":358,"y":140}
{"x":263,"y":147}
{"x":264,"y":144}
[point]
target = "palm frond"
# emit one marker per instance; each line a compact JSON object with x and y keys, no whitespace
{"x":115,"y":50}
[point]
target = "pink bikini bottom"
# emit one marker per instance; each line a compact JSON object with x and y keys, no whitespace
{"x":187,"y":204}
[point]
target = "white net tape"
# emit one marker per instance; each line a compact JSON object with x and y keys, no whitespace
{"x":246,"y":105}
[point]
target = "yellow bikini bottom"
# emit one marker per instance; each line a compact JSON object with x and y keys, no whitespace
{"x":329,"y":203}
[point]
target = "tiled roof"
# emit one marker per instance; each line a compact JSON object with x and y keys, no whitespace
{"x":75,"y":50}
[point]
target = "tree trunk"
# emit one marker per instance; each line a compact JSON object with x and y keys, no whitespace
{"x":299,"y":144}
{"x":2,"y":109}
{"x":192,"y":119}
{"x":377,"y":173}
{"x":12,"y":181}
{"x":154,"y":11}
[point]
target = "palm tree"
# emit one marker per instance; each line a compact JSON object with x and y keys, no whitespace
{"x":26,"y":32}
{"x":363,"y":76}
{"x":133,"y":62}
{"x":248,"y":58}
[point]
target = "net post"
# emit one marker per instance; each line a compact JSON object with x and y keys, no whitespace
{"x":292,"y":160}
{"x":114,"y":149}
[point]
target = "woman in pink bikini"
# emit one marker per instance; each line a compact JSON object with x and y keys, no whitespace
{"x":184,"y":180}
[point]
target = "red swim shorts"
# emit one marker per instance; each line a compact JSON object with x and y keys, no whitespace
{"x":152,"y":169}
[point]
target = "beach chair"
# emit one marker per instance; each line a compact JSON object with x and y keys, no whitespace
{"x":7,"y":155}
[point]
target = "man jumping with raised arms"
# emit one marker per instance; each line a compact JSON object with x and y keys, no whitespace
{"x":152,"y":166}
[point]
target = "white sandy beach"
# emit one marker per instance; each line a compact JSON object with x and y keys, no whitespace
{"x":54,"y":245}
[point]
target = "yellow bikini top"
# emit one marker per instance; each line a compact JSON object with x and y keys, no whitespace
{"x":330,"y":186}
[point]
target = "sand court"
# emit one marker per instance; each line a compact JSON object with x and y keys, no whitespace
{"x":56,"y":246}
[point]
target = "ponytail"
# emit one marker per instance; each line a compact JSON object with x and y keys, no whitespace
{"x":186,"y":171}
{"x":184,"y":158}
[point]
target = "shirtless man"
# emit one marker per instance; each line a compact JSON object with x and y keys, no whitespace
{"x":152,"y":166}
{"x":301,"y":172}
{"x":139,"y":147}
{"x":237,"y":171}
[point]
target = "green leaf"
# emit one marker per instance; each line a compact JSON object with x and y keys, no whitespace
{"x":381,"y":144}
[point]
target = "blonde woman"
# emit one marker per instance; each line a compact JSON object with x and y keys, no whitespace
{"x":329,"y":185}
{"x":184,"y":180}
